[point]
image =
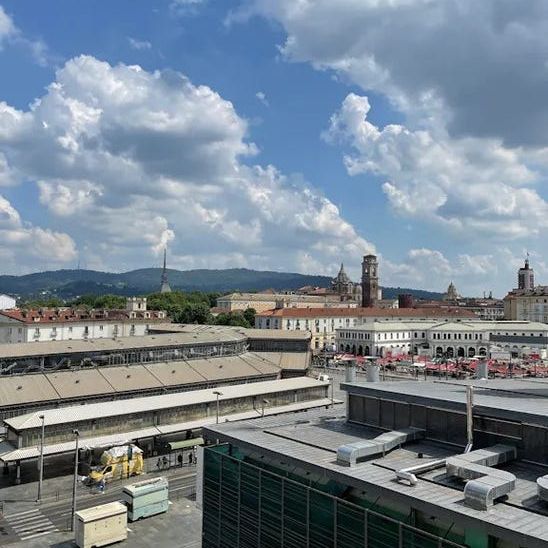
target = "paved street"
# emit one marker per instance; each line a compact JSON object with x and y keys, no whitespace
{"x":26,"y":523}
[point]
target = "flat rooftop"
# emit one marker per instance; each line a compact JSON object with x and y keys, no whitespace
{"x":525,"y":400}
{"x":308,"y":441}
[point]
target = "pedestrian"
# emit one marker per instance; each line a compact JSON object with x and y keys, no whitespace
{"x":165,"y":461}
{"x":190,"y":458}
{"x":102,"y":486}
{"x":159,"y":464}
{"x":180,"y":459}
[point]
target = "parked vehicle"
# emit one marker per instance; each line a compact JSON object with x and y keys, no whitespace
{"x":117,"y":462}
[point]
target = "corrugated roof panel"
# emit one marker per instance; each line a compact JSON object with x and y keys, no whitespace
{"x":260,"y":363}
{"x":76,"y":383}
{"x":21,"y":389}
{"x":229,"y":367}
{"x":175,"y":373}
{"x":126,"y":378}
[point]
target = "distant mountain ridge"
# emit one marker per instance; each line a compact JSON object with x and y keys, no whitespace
{"x":68,"y":284}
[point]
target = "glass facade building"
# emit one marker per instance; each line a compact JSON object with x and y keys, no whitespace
{"x":248,"y":503}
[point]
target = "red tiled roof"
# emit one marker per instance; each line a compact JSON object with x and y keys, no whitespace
{"x":440,"y":312}
{"x":65,"y":315}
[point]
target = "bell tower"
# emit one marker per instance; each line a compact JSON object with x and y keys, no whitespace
{"x":526,"y":276}
{"x":370,"y":281}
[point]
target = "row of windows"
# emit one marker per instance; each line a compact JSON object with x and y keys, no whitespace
{"x":458,"y":336}
{"x":86,"y":330}
{"x":380,"y":336}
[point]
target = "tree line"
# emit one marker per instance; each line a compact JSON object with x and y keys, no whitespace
{"x":181,"y":307}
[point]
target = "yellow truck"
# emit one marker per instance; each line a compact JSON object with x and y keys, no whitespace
{"x":117,"y":462}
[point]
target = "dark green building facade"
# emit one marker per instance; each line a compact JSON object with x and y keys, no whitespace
{"x":249,"y":504}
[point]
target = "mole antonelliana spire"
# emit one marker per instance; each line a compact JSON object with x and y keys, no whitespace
{"x":164,"y":287}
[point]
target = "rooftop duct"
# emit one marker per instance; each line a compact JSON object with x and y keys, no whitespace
{"x":542,"y":488}
{"x":350,"y":373}
{"x":485,"y":484}
{"x":410,"y":474}
{"x":350,"y":453}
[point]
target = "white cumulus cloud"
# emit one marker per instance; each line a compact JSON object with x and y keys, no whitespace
{"x":10,"y":34}
{"x":23,"y":245}
{"x":466,"y":184}
{"x":467,"y":84}
{"x":133,"y":160}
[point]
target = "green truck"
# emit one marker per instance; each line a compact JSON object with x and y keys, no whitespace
{"x":146,"y":498}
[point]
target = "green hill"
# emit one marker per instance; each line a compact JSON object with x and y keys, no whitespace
{"x":68,"y":284}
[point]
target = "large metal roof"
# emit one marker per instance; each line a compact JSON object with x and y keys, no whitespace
{"x":162,"y":335}
{"x":99,"y":381}
{"x":308,"y":442}
{"x":151,"y":403}
{"x":21,"y":350}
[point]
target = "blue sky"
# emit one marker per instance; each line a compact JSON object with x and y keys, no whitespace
{"x":296,"y":139}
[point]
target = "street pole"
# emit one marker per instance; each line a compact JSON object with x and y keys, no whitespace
{"x":217,"y":393}
{"x":75,"y":480}
{"x":41,"y":476}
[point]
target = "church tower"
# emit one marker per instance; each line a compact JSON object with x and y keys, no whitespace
{"x":526,"y":276}
{"x":164,"y":287}
{"x":370,"y":281}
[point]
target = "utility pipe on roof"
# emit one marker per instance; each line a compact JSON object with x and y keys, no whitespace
{"x":469,"y":418}
{"x":409,"y":474}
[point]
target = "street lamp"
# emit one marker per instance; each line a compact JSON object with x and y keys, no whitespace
{"x":264,"y":402}
{"x":217,"y":393}
{"x":75,"y":480}
{"x":41,"y":464}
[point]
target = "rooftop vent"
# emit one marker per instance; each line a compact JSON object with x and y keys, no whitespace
{"x":350,"y":453}
{"x":485,"y":484}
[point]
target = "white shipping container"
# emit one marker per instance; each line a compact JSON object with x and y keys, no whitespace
{"x":101,"y":525}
